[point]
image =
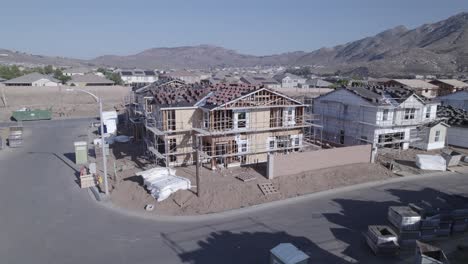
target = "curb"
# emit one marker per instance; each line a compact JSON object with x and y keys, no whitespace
{"x":241,"y":211}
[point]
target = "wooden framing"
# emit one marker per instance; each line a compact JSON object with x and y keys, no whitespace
{"x":262,"y":97}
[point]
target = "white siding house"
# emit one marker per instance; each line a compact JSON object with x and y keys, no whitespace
{"x":289,"y":80}
{"x":358,"y":115}
{"x":138,"y":78}
{"x":33,"y":79}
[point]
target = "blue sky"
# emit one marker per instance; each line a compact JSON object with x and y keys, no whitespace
{"x":86,"y":28}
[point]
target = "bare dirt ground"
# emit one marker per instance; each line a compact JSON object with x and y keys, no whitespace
{"x":64,"y":103}
{"x":221,"y":190}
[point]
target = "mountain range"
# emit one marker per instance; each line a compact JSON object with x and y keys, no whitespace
{"x":441,"y":47}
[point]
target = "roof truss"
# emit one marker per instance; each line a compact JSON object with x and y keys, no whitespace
{"x":260,"y":98}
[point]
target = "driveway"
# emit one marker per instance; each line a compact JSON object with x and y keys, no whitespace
{"x":46,"y":218}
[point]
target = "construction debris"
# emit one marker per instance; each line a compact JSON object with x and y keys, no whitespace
{"x":149,"y":207}
{"x":268,"y":188}
{"x":246,"y":177}
{"x":452,"y":158}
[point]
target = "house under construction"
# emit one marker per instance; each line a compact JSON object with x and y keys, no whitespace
{"x":223,"y":125}
{"x":382,"y":116}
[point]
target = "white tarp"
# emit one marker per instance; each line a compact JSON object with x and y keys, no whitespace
{"x":431,"y":162}
{"x":162,"y":182}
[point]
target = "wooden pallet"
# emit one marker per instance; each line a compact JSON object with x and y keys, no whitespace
{"x":87,"y":181}
{"x":246,"y":177}
{"x":268,"y":188}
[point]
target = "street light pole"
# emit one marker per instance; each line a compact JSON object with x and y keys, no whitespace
{"x":104,"y":158}
{"x":103,"y":142}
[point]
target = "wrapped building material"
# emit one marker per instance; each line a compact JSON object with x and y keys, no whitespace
{"x":404,"y":218}
{"x":162,"y":182}
{"x":431,"y":162}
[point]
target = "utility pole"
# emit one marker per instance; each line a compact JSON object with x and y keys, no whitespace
{"x":197,"y":165}
{"x":103,"y":143}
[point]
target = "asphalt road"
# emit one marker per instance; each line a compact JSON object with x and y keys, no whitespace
{"x":46,"y":218}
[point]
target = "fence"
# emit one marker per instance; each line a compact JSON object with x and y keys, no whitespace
{"x":293,"y":163}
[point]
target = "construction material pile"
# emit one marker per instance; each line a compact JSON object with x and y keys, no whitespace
{"x":162,"y":182}
{"x":427,"y":254}
{"x":421,"y":221}
{"x":382,"y":240}
{"x":431,"y":162}
{"x":454,"y":116}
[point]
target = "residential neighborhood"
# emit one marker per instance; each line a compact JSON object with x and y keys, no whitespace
{"x":234,"y":132}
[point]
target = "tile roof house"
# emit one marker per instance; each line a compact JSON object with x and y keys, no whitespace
{"x":260,"y":80}
{"x":448,"y":86}
{"x":89,"y":80}
{"x":420,"y":87}
{"x":382,"y":116}
{"x":33,"y":79}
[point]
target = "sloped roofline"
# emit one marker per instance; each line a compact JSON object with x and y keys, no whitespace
{"x":261,"y":89}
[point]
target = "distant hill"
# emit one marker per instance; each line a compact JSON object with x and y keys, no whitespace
{"x":22,"y":58}
{"x":440,"y":47}
{"x":202,"y":56}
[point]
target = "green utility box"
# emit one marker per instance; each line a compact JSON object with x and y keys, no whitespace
{"x":32,"y":114}
{"x":81,"y":152}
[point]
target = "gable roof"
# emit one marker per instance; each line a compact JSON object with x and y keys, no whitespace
{"x":382,"y":96}
{"x":258,"y":80}
{"x":30,"y":78}
{"x":279,"y":77}
{"x":90,"y":78}
{"x":233,"y":97}
{"x":415,"y":83}
{"x":163,"y":81}
{"x":452,"y":82}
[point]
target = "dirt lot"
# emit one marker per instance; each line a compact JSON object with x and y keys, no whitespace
{"x":62,"y":102}
{"x":221,"y":190}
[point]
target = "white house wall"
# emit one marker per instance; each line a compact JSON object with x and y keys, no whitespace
{"x":44,"y":82}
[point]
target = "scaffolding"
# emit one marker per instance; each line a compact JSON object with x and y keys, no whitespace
{"x":242,"y":131}
{"x":394,"y":119}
